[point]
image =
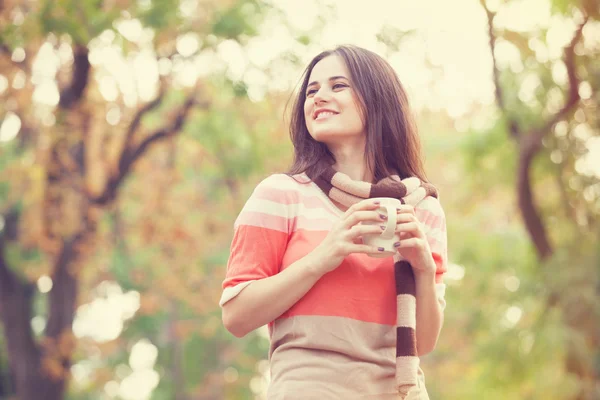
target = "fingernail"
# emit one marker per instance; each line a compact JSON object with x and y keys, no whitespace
{"x":380,"y":248}
{"x":382,"y":227}
{"x":377,"y":202}
{"x":397,"y":244}
{"x":382,"y":216}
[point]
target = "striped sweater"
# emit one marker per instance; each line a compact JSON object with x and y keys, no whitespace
{"x":338,"y":341}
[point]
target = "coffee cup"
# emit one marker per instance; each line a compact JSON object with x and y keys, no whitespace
{"x":387,"y":238}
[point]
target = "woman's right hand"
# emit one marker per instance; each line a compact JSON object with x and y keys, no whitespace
{"x":344,"y":237}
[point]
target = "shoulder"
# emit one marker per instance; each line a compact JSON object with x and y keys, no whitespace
{"x":430,"y":210}
{"x":271,"y":204}
{"x":281,"y":185}
{"x":431,"y":204}
{"x":283,"y":180}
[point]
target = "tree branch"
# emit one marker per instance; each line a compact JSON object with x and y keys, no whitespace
{"x":530,"y":145}
{"x":72,"y":94}
{"x":534,"y":141}
{"x":131,"y":154}
{"x":137,"y":119}
{"x":511,"y":122}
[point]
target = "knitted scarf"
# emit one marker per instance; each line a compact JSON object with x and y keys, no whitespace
{"x":341,"y":188}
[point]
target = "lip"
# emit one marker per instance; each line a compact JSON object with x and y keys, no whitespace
{"x":320,"y":110}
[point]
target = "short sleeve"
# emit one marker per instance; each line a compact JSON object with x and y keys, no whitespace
{"x":260,"y":236}
{"x":433,"y":219}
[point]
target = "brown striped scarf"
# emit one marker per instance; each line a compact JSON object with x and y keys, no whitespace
{"x":343,"y":189}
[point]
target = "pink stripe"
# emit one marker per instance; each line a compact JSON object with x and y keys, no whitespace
{"x":430,"y":219}
{"x":266,"y":220}
{"x":280,"y":196}
{"x":262,"y":220}
{"x":309,"y":224}
{"x":319,"y":202}
{"x":435,"y":245}
{"x":281,"y":224}
{"x":283,"y":197}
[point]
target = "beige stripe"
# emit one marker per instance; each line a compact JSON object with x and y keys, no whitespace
{"x":406,"y":373}
{"x":326,"y":358}
{"x":398,"y":257}
{"x":416,"y":196}
{"x":407,"y":304}
{"x":334,"y":356}
{"x":411,"y":184}
{"x":357,"y":188}
{"x":343,"y":197}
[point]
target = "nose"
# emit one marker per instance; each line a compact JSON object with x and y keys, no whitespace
{"x":321,"y":96}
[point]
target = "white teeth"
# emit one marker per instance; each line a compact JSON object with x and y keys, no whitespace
{"x":324,"y":114}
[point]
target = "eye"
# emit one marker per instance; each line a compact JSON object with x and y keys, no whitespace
{"x":339,"y":86}
{"x":310,"y":92}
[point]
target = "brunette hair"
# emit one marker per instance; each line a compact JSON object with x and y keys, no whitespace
{"x":392,"y":145}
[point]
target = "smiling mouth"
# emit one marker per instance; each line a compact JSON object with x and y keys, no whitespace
{"x":324,"y":115}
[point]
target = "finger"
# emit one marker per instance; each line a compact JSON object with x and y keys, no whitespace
{"x":360,"y":230}
{"x":411,"y":243}
{"x":404,"y":235}
{"x":406,"y":217}
{"x":363,"y":248}
{"x":360,"y":216}
{"x":405,"y":208}
{"x":362,"y":205}
{"x":412,"y":228}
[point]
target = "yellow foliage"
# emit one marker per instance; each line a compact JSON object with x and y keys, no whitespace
{"x":53,"y":368}
{"x":149,"y":304}
{"x":209,"y":328}
{"x":109,"y":347}
{"x":66,"y":343}
{"x":184,"y":329}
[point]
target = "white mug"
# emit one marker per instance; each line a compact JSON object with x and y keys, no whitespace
{"x":387,"y":237}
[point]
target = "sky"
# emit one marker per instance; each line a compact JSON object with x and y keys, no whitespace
{"x":445,"y":65}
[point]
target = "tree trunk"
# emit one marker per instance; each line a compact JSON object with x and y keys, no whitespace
{"x":23,"y":352}
{"x":529,"y":212}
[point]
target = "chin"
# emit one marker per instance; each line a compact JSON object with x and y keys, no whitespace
{"x":327,"y":136}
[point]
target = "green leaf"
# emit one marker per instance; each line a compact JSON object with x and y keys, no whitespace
{"x":242,"y":19}
{"x":161,"y":14}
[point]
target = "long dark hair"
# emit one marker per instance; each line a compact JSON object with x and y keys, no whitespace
{"x":392,"y":143}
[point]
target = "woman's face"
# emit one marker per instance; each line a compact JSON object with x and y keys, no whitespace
{"x":331,"y":107}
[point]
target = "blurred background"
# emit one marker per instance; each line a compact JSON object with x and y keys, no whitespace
{"x":132,"y":133}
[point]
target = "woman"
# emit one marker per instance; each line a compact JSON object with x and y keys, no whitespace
{"x":297,"y":262}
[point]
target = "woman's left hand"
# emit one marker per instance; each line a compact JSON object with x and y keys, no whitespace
{"x":414,"y":246}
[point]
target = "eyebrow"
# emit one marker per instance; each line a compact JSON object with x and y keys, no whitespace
{"x":333,"y":78}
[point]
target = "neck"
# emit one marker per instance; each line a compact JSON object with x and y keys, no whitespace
{"x":350,"y":160}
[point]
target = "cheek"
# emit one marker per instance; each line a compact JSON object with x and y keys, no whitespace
{"x":308,"y":111}
{"x":358,"y":112}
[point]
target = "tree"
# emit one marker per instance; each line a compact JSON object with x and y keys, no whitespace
{"x":77,"y":165}
{"x":536,"y":129}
